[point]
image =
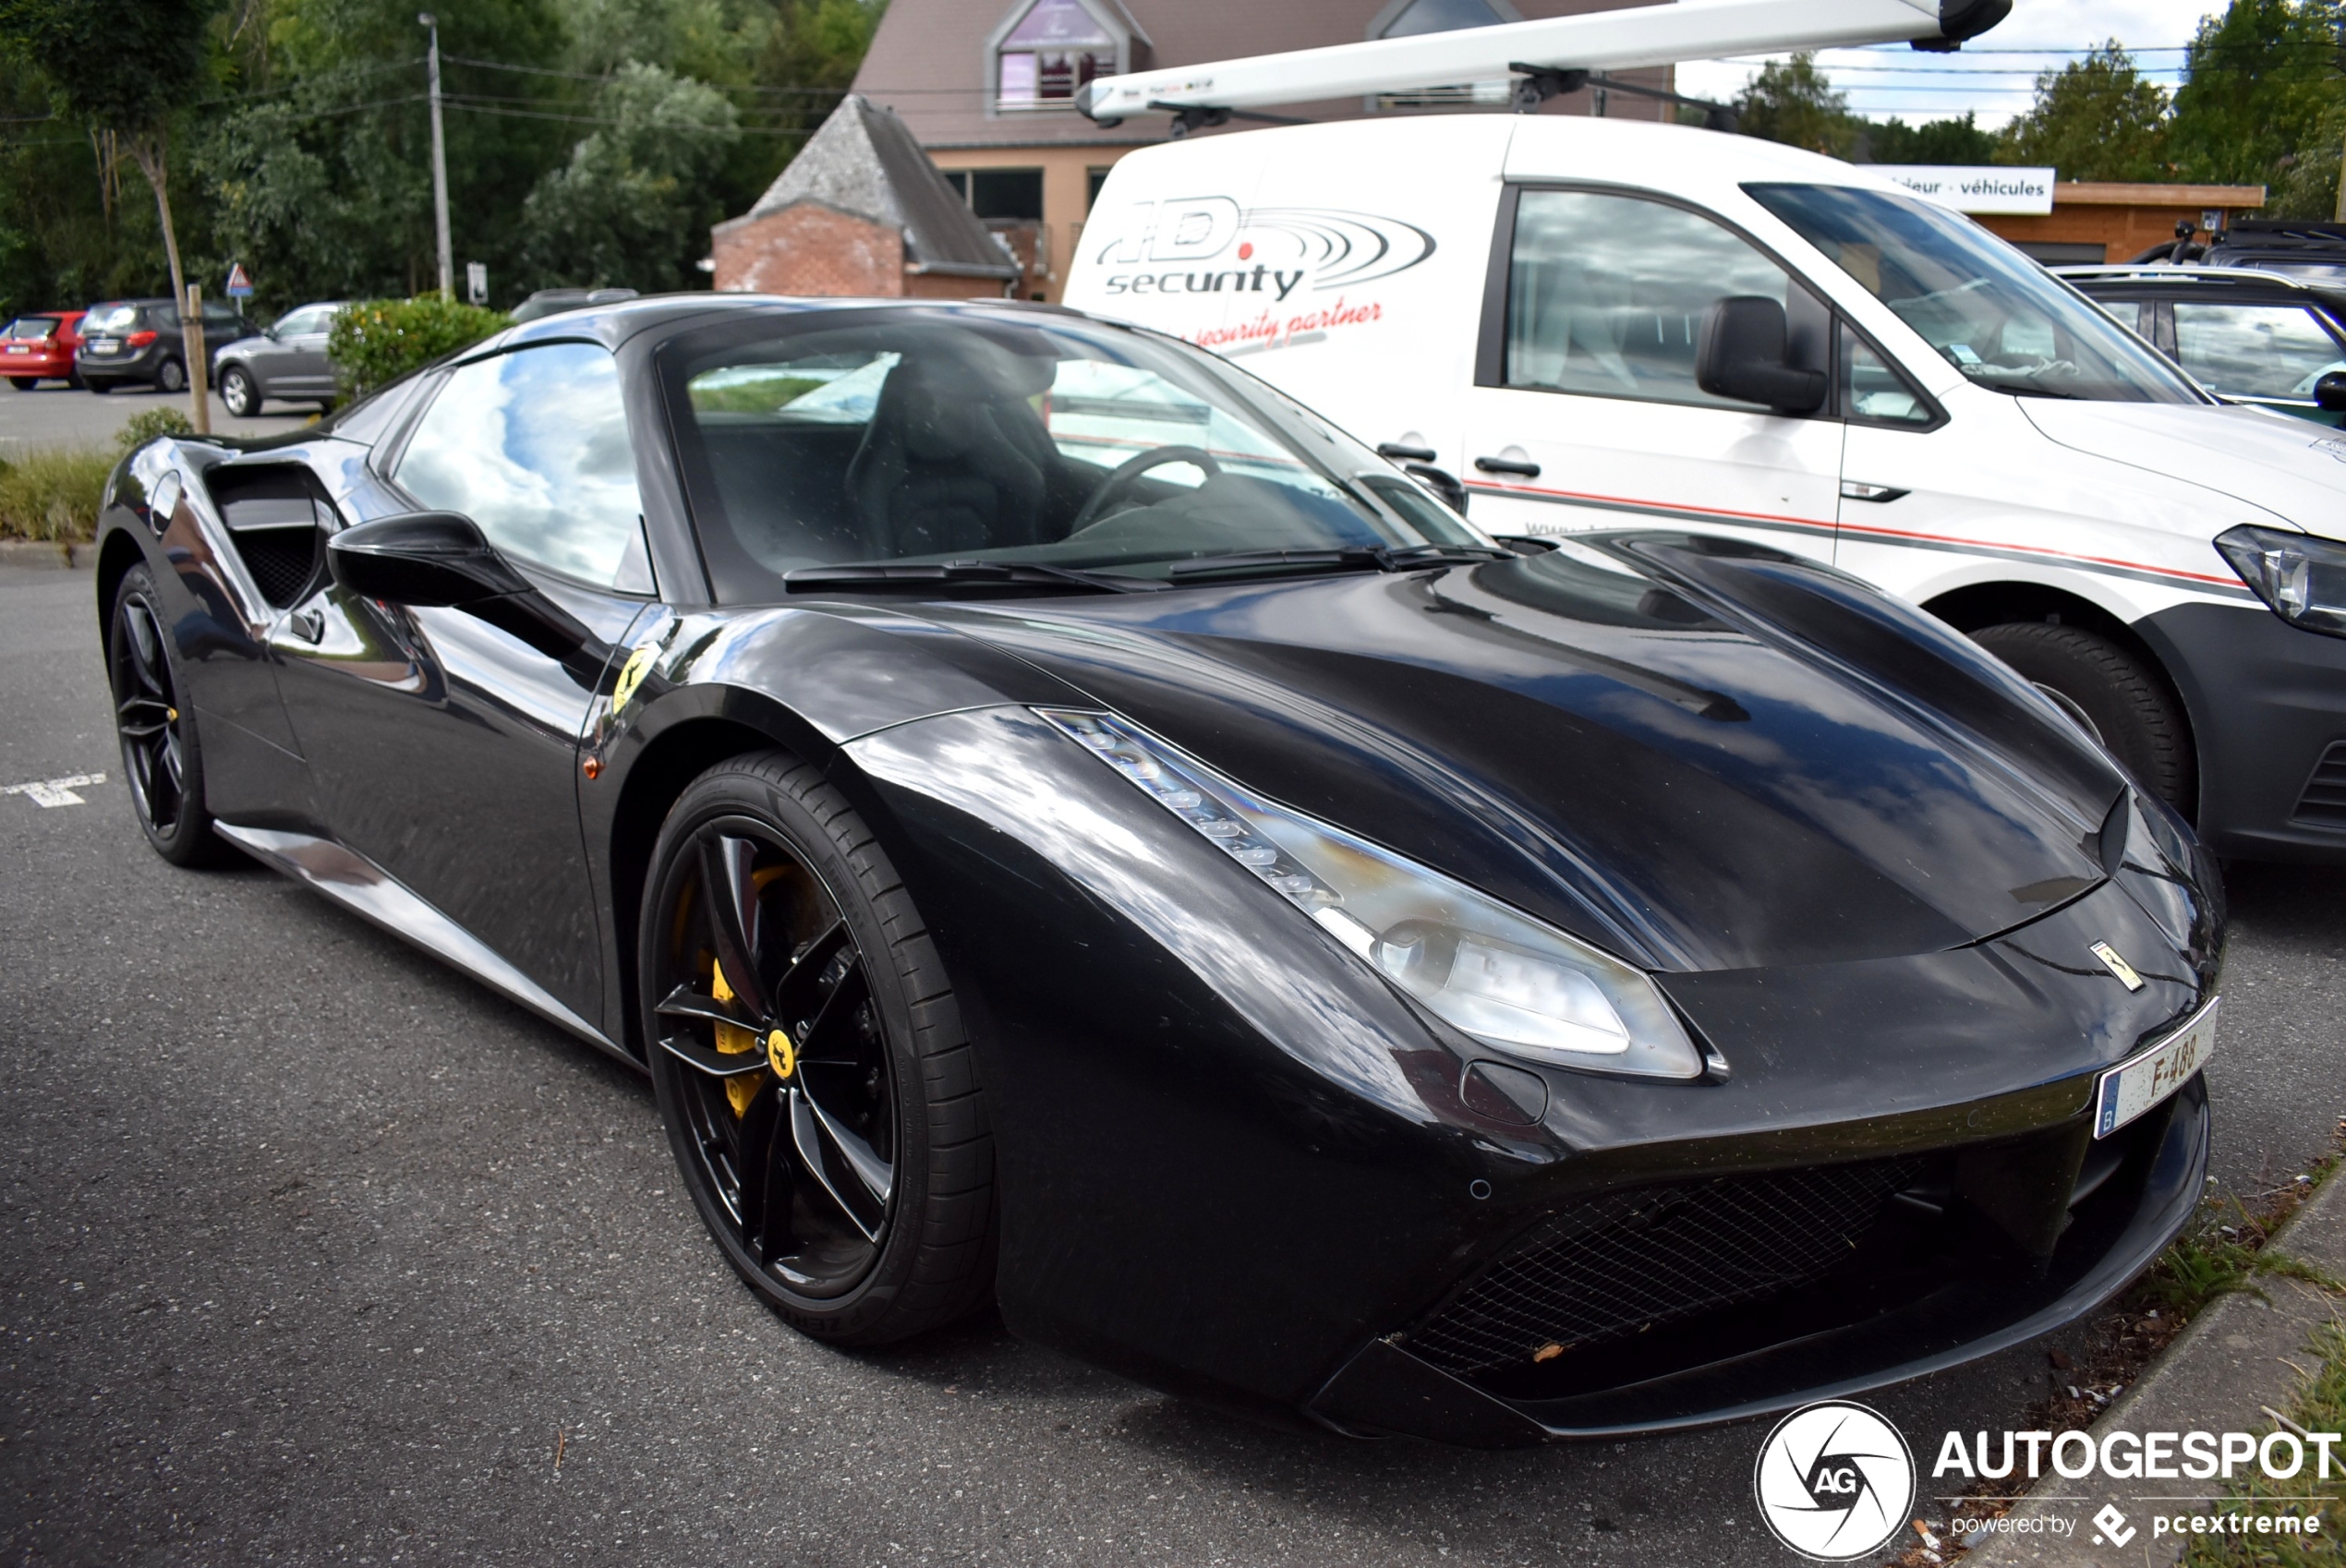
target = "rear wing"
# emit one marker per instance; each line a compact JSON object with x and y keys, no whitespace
{"x":1558,"y":55}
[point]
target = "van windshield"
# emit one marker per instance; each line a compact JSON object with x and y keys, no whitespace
{"x":1997,"y":317}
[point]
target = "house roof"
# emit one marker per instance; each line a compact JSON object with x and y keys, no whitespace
{"x":863,"y":160}
{"x":928,"y":61}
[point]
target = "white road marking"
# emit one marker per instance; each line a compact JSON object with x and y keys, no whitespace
{"x":55,"y":792}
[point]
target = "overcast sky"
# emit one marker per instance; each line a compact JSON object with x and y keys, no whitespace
{"x":1983,"y":76}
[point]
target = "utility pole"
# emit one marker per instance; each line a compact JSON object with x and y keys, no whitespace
{"x":439,"y":160}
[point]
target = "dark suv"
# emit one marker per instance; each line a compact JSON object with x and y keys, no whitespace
{"x":2246,"y":334}
{"x":141,"y":340}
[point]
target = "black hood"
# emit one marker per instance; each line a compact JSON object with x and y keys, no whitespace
{"x":1701,"y":753}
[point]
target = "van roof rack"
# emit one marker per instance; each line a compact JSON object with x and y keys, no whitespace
{"x":1544,"y":57}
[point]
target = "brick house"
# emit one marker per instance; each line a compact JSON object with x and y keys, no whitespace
{"x":986,"y":88}
{"x":860,"y":211}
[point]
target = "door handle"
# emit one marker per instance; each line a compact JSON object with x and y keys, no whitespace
{"x":310,"y":625}
{"x":1394,"y":452}
{"x":1854,"y":490}
{"x":1507,"y":465}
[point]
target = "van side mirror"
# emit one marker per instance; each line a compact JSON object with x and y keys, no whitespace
{"x":443,"y":558}
{"x":2329,"y":393}
{"x":1741,"y":356}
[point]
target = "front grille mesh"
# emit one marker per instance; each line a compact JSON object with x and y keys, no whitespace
{"x":2324,"y":803}
{"x":1619,"y":1263}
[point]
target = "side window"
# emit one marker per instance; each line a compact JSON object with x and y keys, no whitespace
{"x":2274,"y":351}
{"x":301,"y":323}
{"x":1606,"y":294}
{"x":532,"y":446}
{"x":1873,"y":392}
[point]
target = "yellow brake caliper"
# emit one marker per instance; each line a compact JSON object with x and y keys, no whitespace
{"x":734,"y":1039}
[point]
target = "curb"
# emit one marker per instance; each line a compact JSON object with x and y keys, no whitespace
{"x":46,"y":553}
{"x":2232,"y":1361}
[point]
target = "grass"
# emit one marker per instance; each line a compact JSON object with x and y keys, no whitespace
{"x":52,"y":492}
{"x":2321,"y":1407}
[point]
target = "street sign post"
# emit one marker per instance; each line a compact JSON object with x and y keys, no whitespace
{"x":477,"y":282}
{"x":239,"y":281}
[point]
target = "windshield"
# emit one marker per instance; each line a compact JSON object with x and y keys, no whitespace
{"x":917,"y":437}
{"x":32,"y":327}
{"x":1994,"y":315}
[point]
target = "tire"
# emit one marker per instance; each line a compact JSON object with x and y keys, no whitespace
{"x":2125,"y":702}
{"x":162,"y":760}
{"x":24,"y":383}
{"x":171,"y":377}
{"x":771,"y":1123}
{"x":236,"y":390}
{"x":95,"y":385}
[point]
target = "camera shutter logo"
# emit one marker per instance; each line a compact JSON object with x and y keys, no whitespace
{"x":1834,"y":1482}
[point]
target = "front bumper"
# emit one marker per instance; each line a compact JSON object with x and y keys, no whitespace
{"x":2267,"y":705}
{"x":1948,"y":1291}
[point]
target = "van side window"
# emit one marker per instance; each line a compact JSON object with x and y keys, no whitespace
{"x":1872,"y":392}
{"x":1605,"y":294}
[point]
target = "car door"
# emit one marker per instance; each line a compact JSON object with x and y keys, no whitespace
{"x":2265,"y":353}
{"x":445,"y":749}
{"x":1585,"y":412}
{"x":298,"y":363}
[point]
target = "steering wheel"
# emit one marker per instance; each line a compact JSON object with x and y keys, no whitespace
{"x":1131,"y":469}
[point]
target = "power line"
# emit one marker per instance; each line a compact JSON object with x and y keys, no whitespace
{"x":455,"y":101}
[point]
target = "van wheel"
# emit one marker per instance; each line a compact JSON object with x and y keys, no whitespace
{"x":2122,"y":698}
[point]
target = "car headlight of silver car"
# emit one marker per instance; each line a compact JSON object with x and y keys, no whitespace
{"x":2302,"y":578}
{"x":1513,"y":983}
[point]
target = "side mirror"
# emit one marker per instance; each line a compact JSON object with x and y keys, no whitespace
{"x":1741,"y":356}
{"x":441,"y":558}
{"x":2329,"y":393}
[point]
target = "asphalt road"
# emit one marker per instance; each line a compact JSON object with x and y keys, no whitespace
{"x":313,"y":1251}
{"x":55,"y":415}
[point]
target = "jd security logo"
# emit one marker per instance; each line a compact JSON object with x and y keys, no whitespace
{"x":1210,"y":245}
{"x":1834,"y":1482}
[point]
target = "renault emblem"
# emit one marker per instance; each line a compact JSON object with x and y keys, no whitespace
{"x":2118,"y":966}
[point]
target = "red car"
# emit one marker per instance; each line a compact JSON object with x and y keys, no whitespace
{"x":40,"y":348}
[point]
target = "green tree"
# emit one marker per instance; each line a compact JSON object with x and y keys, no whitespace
{"x":122,"y":68}
{"x":1955,"y":140}
{"x":2258,"y":81}
{"x":1793,"y":102}
{"x":2093,"y":119}
{"x":634,"y":204}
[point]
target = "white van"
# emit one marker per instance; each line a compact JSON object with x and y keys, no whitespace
{"x":1598,"y":323}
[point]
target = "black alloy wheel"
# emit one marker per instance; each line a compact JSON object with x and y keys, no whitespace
{"x":171,"y":377}
{"x":810,"y":1061}
{"x":2114,"y":697}
{"x":238,"y":392}
{"x":159,"y":758}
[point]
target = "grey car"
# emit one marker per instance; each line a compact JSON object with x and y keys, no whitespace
{"x":286,"y":362}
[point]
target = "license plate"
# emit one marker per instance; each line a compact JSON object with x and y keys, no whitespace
{"x":18,"y":348}
{"x":103,"y":347}
{"x":2133,"y":1087}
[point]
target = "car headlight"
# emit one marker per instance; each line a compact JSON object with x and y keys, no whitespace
{"x":1519,"y":986}
{"x":2302,"y":578}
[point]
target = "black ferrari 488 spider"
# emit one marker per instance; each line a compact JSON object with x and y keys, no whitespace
{"x":1058,"y":822}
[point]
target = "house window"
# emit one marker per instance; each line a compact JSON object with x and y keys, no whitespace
{"x":1413,"y":17}
{"x":1410,"y":19}
{"x":1015,"y":194}
{"x":1055,"y":48}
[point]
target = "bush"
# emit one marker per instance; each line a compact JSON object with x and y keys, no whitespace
{"x":380,"y":340}
{"x":140,"y":429}
{"x":52,"y":493}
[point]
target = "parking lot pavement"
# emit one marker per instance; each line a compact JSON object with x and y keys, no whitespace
{"x":311,"y":1251}
{"x":56,"y":415}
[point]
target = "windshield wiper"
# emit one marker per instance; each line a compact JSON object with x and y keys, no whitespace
{"x":1349,"y":557}
{"x":924,"y":576}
